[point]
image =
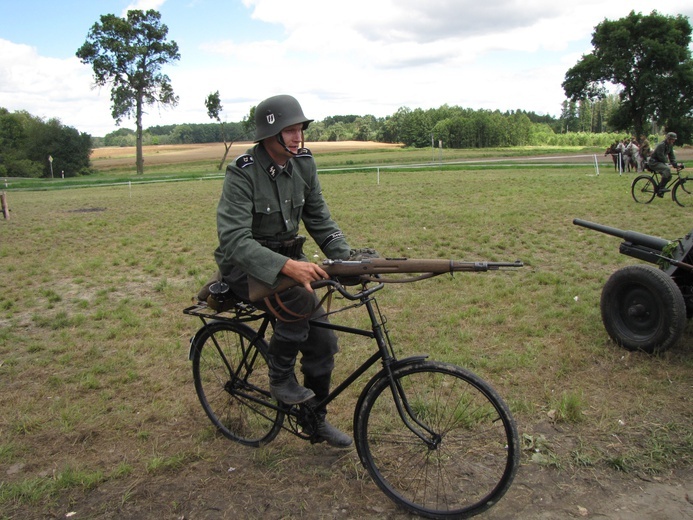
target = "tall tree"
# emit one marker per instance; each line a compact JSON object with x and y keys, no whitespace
{"x":128,"y":53}
{"x":649,"y":57}
{"x":214,"y":108}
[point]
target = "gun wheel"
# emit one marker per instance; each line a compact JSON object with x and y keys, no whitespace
{"x":643,"y":309}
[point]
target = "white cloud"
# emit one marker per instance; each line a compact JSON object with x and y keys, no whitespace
{"x":144,"y":5}
{"x":38,"y":84}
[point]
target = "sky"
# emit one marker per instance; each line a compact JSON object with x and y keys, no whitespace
{"x":355,"y":57}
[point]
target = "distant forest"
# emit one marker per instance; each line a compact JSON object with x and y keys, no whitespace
{"x":450,"y":126}
{"x":33,"y":147}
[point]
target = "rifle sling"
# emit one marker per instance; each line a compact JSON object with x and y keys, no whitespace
{"x":298,"y":317}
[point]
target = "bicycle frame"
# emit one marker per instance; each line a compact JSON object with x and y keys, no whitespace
{"x":244,"y":313}
{"x":450,"y":431}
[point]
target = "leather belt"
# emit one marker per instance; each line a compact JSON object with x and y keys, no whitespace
{"x":293,"y":247}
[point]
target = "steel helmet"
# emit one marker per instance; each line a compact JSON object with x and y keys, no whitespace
{"x":277,"y":113}
{"x":671,"y":135}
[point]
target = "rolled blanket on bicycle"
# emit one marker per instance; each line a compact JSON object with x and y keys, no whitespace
{"x":217,"y":294}
{"x":204,"y":293}
{"x":376,"y":269}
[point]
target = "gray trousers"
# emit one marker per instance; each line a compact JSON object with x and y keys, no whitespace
{"x":661,"y":168}
{"x":316,"y":344}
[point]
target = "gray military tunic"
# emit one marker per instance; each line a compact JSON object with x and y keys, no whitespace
{"x":260,"y":200}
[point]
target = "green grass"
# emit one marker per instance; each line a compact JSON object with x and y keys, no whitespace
{"x":93,"y":344}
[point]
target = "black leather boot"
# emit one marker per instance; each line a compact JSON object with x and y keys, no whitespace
{"x":284,"y":387}
{"x":325,"y":432}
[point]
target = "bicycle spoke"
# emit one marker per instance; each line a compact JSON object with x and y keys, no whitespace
{"x":473,"y":451}
{"x":231,"y":381}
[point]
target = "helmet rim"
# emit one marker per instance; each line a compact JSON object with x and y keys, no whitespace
{"x":276,"y":113}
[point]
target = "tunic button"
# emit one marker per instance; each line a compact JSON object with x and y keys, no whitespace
{"x":268,"y":209}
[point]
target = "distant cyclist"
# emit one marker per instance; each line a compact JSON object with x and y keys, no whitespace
{"x":659,"y":161}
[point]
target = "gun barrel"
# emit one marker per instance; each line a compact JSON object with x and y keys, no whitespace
{"x":379,"y":266}
{"x":633,"y":237}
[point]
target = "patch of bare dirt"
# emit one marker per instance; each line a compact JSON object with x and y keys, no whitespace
{"x":292,"y":479}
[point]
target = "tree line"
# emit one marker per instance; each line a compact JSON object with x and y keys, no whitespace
{"x":32,"y":147}
{"x":414,"y":128}
{"x":449,"y":126}
{"x":27,"y":141}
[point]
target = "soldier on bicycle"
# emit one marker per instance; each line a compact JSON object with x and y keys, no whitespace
{"x":267,"y":193}
{"x":658,"y":162}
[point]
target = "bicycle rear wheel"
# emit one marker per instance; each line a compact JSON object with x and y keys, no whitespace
{"x":231,"y":381}
{"x":471,"y":452}
{"x":683,"y":193}
{"x":643,"y":189}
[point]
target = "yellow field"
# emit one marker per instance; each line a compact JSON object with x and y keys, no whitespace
{"x":111,"y":157}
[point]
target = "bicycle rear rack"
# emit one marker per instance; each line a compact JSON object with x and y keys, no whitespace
{"x":240,"y":312}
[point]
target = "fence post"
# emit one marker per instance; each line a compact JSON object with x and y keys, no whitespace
{"x":5,"y":207}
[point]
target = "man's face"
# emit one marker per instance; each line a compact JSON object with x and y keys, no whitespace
{"x":292,"y":136}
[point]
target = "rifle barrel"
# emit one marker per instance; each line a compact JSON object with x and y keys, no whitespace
{"x":377,"y":266}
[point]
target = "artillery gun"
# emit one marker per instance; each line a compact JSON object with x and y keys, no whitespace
{"x":645,"y":307}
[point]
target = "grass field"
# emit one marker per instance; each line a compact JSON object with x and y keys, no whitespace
{"x":99,"y":414}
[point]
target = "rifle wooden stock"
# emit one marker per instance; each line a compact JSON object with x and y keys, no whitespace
{"x":368,"y":268}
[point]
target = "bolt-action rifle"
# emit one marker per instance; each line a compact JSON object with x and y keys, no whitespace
{"x":353,"y":272}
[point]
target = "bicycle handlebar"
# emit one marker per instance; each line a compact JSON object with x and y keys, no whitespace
{"x":341,"y":289}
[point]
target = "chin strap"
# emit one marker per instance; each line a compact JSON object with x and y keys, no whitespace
{"x":280,"y":140}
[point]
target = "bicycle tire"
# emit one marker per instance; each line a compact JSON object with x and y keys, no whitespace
{"x":477,"y":449}
{"x":642,"y":189}
{"x":231,"y":381}
{"x":683,"y":193}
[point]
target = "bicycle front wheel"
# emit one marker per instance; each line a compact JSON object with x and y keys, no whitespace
{"x":231,"y":381}
{"x":683,"y":193}
{"x":470,"y":448}
{"x":643,"y":189}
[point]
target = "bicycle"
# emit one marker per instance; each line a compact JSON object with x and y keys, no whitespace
{"x":435,"y":438}
{"x":643,"y":187}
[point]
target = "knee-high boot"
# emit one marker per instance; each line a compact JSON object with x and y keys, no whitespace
{"x":281,"y":360}
{"x":325,"y":431}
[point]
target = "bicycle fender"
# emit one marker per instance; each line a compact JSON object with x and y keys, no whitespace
{"x":397,"y":364}
{"x":194,"y":339}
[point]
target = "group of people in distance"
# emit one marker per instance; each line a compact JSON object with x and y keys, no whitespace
{"x":636,"y":155}
{"x":632,"y":152}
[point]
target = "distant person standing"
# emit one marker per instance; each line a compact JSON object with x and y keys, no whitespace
{"x":659,"y":161}
{"x":645,"y":150}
